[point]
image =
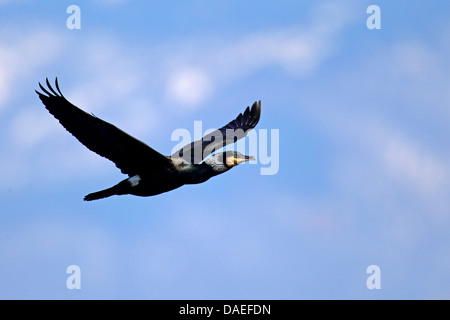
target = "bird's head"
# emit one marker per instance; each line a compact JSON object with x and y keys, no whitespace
{"x":226,"y":160}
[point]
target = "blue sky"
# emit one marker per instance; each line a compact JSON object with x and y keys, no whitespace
{"x":363,"y":135}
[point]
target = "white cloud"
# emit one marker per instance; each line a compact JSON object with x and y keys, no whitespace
{"x":140,"y":118}
{"x":387,"y":119}
{"x":294,"y":50}
{"x":15,"y":171}
{"x":189,"y":87}
{"x":109,"y":76}
{"x":20,"y":56}
{"x":415,"y":59}
{"x":31,"y":126}
{"x":414,"y":165}
{"x":378,"y":160}
{"x":199,"y":65}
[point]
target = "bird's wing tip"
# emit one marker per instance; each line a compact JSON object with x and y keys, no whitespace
{"x":256,"y":111}
{"x":53,"y":92}
{"x":256,"y":107}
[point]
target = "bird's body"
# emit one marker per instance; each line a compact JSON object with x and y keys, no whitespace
{"x":149,"y":172}
{"x":150,"y":184}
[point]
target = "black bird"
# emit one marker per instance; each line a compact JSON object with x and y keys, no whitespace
{"x":149,"y":172}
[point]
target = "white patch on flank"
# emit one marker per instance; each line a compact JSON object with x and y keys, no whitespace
{"x":134,"y":180}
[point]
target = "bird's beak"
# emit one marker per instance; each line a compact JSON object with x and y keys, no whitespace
{"x":231,"y":162}
{"x":246,"y":158}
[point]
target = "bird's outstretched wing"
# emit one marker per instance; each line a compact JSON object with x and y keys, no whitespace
{"x":198,"y":150}
{"x":130,"y":155}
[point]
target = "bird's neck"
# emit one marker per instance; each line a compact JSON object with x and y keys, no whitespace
{"x":199,"y":173}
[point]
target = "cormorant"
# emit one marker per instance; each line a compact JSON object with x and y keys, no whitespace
{"x":149,"y":172}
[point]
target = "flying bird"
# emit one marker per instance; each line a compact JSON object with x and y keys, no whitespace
{"x":149,"y":172}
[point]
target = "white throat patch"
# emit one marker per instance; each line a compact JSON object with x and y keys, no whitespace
{"x":216,"y":162}
{"x":134,"y":180}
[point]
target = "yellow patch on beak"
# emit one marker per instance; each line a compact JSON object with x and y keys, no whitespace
{"x":232,"y":161}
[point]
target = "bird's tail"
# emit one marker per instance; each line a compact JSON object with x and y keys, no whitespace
{"x":101,"y":194}
{"x":122,"y":187}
